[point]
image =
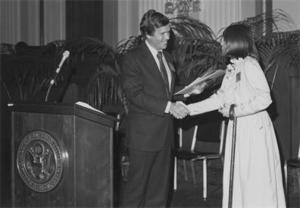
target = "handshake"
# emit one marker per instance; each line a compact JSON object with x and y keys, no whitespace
{"x":179,"y":110}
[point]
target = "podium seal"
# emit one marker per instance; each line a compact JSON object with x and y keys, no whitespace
{"x":40,"y":161}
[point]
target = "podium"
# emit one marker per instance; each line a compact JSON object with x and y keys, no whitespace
{"x":62,"y":156}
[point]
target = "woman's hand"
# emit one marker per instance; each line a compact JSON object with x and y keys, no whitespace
{"x":225,"y":110}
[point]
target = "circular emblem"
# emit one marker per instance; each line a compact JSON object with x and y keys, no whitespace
{"x":39,"y":161}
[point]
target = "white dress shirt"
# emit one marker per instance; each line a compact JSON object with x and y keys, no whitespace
{"x":154,"y":54}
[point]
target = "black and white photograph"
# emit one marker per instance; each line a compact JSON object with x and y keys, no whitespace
{"x":150,"y":103}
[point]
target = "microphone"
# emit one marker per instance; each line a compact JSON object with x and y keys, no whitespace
{"x":66,"y":54}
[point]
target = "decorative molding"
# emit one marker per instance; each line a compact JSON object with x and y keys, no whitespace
{"x":182,"y":7}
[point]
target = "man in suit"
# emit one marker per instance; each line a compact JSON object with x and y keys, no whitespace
{"x":148,"y":81}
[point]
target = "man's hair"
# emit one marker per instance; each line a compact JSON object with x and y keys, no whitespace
{"x":152,"y":20}
{"x":239,"y":41}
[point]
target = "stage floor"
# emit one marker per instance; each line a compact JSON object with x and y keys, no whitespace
{"x":190,"y":195}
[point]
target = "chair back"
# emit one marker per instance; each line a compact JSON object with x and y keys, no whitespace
{"x":187,"y":135}
{"x":204,"y":133}
{"x":211,"y":133}
{"x":222,"y":136}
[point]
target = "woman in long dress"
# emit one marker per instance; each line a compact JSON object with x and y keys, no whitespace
{"x":257,"y":173}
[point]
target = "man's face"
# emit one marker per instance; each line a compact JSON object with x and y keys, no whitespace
{"x":160,"y":37}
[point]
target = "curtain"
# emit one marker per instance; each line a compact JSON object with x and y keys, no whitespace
{"x":10,"y":21}
{"x":54,"y":20}
{"x":20,"y":21}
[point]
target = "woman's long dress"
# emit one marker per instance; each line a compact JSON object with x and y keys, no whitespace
{"x":257,"y":173}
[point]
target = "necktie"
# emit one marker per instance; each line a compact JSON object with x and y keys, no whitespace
{"x":163,"y":70}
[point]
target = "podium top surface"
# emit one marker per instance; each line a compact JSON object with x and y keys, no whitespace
{"x":64,"y":109}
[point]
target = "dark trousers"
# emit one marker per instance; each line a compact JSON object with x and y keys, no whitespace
{"x":148,"y":182}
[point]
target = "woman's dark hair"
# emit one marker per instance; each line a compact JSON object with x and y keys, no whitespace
{"x":239,"y":41}
{"x":151,"y":20}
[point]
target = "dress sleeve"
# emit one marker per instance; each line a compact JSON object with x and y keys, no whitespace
{"x":254,"y":90}
{"x":210,"y":104}
{"x":250,"y":93}
{"x":214,"y":102}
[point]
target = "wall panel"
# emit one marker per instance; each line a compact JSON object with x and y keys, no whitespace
{"x":10,"y":20}
{"x":84,"y":19}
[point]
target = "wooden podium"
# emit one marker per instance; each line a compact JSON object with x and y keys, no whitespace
{"x":62,"y":156}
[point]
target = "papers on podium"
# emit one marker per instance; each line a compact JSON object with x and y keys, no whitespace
{"x":200,"y":82}
{"x":86,"y":105}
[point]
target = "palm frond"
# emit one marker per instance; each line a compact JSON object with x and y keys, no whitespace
{"x":194,"y":57}
{"x":278,"y":44}
{"x":125,"y":45}
{"x":290,"y":49}
{"x":183,"y":28}
{"x":189,"y":28}
{"x":104,"y":88}
{"x":85,"y":47}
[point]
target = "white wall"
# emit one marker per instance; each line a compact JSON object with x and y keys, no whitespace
{"x":217,"y":14}
{"x":128,"y":20}
{"x":20,"y":19}
{"x":292,"y":8}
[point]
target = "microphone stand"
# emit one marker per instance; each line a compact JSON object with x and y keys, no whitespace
{"x":66,"y":54}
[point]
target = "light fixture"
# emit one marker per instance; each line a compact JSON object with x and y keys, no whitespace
{"x":183,"y":7}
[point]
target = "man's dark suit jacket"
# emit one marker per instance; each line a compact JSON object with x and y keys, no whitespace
{"x":149,"y":126}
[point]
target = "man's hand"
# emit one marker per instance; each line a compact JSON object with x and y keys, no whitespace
{"x":179,"y":110}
